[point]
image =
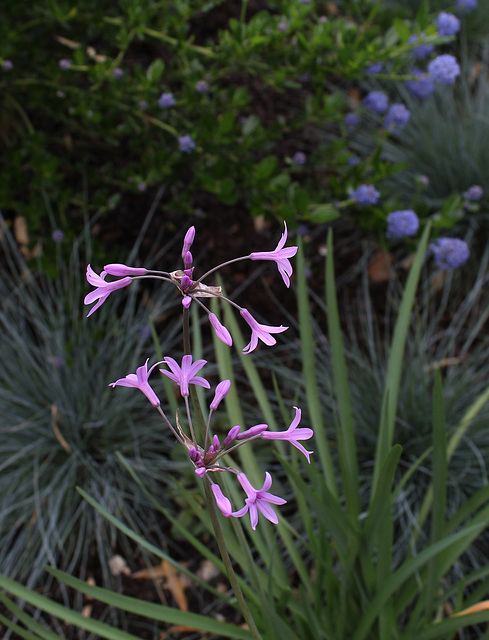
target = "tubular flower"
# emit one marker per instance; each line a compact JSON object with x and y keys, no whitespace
{"x":222,"y":502}
{"x":139,"y":380}
{"x":103,"y":288}
{"x":221,"y":332}
{"x":185,"y":374}
{"x":117,"y":269}
{"x":280,"y":256}
{"x":258,"y":500}
{"x":259,"y":331}
{"x":292,"y":435}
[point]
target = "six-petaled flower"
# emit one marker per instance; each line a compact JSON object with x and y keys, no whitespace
{"x":292,"y":435}
{"x":139,"y":380}
{"x":258,"y":500}
{"x":259,"y":332}
{"x":280,"y":255}
{"x":103,"y":288}
{"x":185,"y":374}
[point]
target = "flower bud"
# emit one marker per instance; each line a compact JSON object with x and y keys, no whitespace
{"x":222,"y":502}
{"x":221,"y":332}
{"x":222,"y":390}
{"x":188,"y":241}
{"x":254,"y":431}
{"x":231,"y":435}
{"x":117,"y":269}
{"x":186,"y":301}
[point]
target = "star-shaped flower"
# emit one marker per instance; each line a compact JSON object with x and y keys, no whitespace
{"x":280,"y":256}
{"x":103,"y":288}
{"x":292,"y":435}
{"x":258,"y":500}
{"x":185,"y":374}
{"x":259,"y":331}
{"x":139,"y":380}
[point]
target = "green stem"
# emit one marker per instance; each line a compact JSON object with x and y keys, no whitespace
{"x":209,"y":499}
{"x":221,"y":543}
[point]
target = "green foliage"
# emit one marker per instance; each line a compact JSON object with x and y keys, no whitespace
{"x":333,"y":567}
{"x":277,"y":80}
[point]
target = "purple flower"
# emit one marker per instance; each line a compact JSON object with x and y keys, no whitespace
{"x":444,"y":69}
{"x":166,"y":100}
{"x":353,"y":161}
{"x":282,"y":25}
{"x":375,"y":68}
{"x":258,"y":500}
{"x":64,"y":64}
{"x":352,"y":120}
{"x":221,"y":392}
{"x":139,"y":380}
{"x":402,"y":224}
{"x":58,"y":235}
{"x":202,"y":86}
{"x":280,"y":256}
{"x":422,"y":87}
{"x":474,"y":193}
{"x":103,"y":288}
{"x":185,"y":143}
{"x":376,"y":101}
{"x":449,"y":253}
{"x":422,"y":51}
{"x":185,"y":374}
{"x":447,"y":24}
{"x":292,"y":435}
{"x":222,"y":502}
{"x":365,"y":194}
{"x":259,"y":331}
{"x":7,"y":65}
{"x":117,"y":269}
{"x":298,"y":158}
{"x":221,"y":332}
{"x":397,"y":117}
{"x":466,"y":5}
{"x":143,"y":105}
{"x":118,"y":73}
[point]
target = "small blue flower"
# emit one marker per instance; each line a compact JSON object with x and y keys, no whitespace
{"x":397,"y":117}
{"x":449,"y":253}
{"x":422,"y":87}
{"x":298,"y":158}
{"x":375,"y":68}
{"x":118,"y":73}
{"x":402,"y":224}
{"x":202,"y":86}
{"x":7,"y":65}
{"x":422,"y":51}
{"x":466,"y":5}
{"x":353,"y":161}
{"x":185,"y":143}
{"x":282,"y":25}
{"x":58,"y":235}
{"x":166,"y":100}
{"x":352,"y":120}
{"x":64,"y":64}
{"x":444,"y":69}
{"x":376,"y":101}
{"x":474,"y":193}
{"x":365,"y":194}
{"x":447,"y":24}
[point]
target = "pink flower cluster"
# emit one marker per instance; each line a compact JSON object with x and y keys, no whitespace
{"x":194,"y":290}
{"x":207,"y":456}
{"x":206,"y":459}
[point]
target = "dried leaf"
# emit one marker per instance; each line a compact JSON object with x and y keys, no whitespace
{"x":379,"y":268}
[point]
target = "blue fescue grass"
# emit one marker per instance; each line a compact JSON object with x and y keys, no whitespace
{"x":62,"y":425}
